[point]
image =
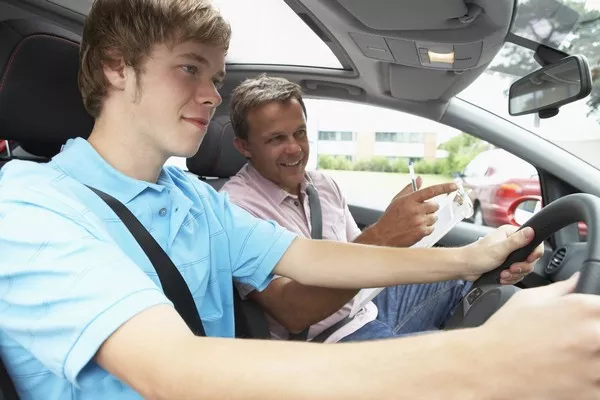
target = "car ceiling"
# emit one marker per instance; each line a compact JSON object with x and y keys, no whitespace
{"x":376,"y":42}
{"x":420,"y":91}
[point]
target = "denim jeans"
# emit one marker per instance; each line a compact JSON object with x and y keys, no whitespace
{"x":410,"y":309}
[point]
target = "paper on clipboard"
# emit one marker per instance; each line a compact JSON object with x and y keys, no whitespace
{"x":454,"y":207}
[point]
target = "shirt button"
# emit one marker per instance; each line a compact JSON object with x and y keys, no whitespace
{"x":162,"y":212}
{"x":296,"y":203}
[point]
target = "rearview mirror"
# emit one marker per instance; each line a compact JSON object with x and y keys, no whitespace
{"x":550,"y":87}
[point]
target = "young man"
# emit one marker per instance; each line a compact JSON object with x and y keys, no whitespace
{"x":269,"y":120}
{"x":82,"y":314}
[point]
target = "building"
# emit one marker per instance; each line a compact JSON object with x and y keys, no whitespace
{"x":360,"y":132}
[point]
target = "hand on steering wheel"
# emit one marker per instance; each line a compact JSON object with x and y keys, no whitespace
{"x":492,"y":250}
{"x":487,"y":295}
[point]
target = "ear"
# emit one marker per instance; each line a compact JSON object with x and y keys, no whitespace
{"x":116,"y":72}
{"x":242,"y":146}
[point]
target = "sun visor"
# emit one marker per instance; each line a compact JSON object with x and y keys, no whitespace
{"x":443,"y":35}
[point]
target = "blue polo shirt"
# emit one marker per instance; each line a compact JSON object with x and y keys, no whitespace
{"x":71,"y":273}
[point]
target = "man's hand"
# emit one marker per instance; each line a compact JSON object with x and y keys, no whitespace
{"x":492,"y":250}
{"x":543,"y":344}
{"x":409,"y":216}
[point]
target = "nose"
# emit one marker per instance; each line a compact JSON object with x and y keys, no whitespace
{"x":208,"y":95}
{"x":293,"y":147}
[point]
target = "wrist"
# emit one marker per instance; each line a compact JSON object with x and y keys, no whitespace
{"x":488,"y":351}
{"x":461,"y":260}
{"x":370,"y":235}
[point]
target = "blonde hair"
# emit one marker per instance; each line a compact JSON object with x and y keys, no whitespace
{"x":255,"y":92}
{"x":128,"y":29}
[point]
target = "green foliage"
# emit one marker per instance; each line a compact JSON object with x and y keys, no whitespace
{"x":461,"y":150}
{"x":339,"y":163}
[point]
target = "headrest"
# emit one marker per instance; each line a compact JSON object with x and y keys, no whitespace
{"x":40,"y":103}
{"x":217,"y":157}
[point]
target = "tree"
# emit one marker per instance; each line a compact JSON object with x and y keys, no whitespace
{"x":461,"y":150}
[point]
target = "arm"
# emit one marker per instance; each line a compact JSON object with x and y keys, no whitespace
{"x":296,"y":306}
{"x":293,"y":305}
{"x":157,"y":355}
{"x":341,"y":265}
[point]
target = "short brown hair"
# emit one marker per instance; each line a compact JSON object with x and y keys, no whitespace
{"x":253,"y":93}
{"x":128,"y":29}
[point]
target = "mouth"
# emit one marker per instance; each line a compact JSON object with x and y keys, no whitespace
{"x":201,"y":123}
{"x":293,"y":164}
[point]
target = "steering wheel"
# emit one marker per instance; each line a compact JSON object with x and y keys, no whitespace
{"x":487,"y":295}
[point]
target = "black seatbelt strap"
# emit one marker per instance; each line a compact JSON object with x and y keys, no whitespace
{"x":172,"y":282}
{"x":316,"y":232}
{"x":8,"y":388}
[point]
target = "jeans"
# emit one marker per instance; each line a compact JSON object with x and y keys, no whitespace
{"x":410,"y":309}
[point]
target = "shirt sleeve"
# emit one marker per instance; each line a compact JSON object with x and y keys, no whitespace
{"x":255,"y":245}
{"x":65,"y":286}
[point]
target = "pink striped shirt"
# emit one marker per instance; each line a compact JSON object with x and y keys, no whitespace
{"x":264,"y":199}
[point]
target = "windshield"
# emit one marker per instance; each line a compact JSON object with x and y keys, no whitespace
{"x":571,"y":26}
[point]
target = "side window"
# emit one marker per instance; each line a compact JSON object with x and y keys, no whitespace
{"x":372,"y":167}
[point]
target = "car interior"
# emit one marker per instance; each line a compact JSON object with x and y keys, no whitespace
{"x":386,"y":51}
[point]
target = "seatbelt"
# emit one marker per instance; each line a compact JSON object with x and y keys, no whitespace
{"x":316,"y":232}
{"x":316,"y":214}
{"x":172,"y":282}
{"x":6,"y":385}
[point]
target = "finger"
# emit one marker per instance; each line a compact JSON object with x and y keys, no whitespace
{"x":554,"y":290}
{"x":509,"y":275}
{"x":536,"y":254}
{"x":517,"y":240}
{"x":509,"y":229}
{"x":512,"y":281}
{"x":406,"y":190}
{"x":435,"y":190}
{"x":426,"y":230}
{"x":521,"y":268}
{"x":430,"y":207}
{"x":419,"y":182}
{"x":430,"y":219}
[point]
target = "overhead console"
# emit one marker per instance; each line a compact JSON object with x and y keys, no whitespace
{"x":419,"y":53}
{"x":446,"y":35}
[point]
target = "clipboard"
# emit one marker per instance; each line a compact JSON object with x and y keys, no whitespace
{"x":454,"y":207}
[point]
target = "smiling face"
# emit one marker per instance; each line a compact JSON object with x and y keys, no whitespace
{"x":174,"y":98}
{"x":277,"y":144}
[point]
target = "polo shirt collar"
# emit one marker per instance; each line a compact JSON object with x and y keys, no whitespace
{"x":271,"y":189}
{"x":81,"y":161}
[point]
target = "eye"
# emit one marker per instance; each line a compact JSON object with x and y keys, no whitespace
{"x":301,"y":133}
{"x":190,"y":69}
{"x":277,"y":138}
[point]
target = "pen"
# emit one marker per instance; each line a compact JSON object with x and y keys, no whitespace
{"x":413,"y":178}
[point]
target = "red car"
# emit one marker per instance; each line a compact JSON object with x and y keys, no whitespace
{"x":496,"y":179}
